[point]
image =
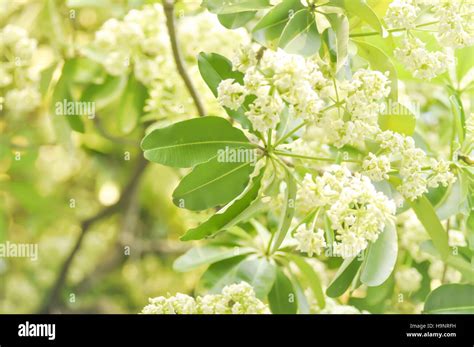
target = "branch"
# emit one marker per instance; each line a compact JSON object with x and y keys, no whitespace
{"x":168,"y":6}
{"x":128,"y":193}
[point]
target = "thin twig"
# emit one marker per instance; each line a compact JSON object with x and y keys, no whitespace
{"x":129,"y":191}
{"x":168,"y":6}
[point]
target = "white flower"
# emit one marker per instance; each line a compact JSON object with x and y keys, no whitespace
{"x":22,"y":100}
{"x":116,"y":63}
{"x":245,"y":58}
{"x":401,"y":14}
{"x":419,"y":61}
{"x":309,"y":241}
{"x":231,"y":94}
{"x":358,"y":213}
{"x":235,"y":299}
{"x":408,"y":280}
{"x":264,"y":112}
{"x":376,"y":168}
{"x":438,"y":270}
{"x":455,"y":28}
{"x":457,"y":238}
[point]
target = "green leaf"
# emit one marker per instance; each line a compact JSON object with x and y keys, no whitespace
{"x":381,"y":258}
{"x":220,"y":274}
{"x":430,"y":221}
{"x":131,"y":105}
{"x":378,"y":60}
{"x":451,"y":298}
{"x":62,"y":92}
{"x":232,"y":6}
{"x":105,"y":93}
{"x":344,"y":277}
{"x":459,"y":118}
{"x":193,"y":141}
{"x":282,"y":298}
{"x":228,"y":216}
{"x":300,"y":35}
{"x":398,"y":119}
{"x":199,"y":256}
{"x":340,"y":26}
{"x":270,"y":27}
{"x":212,"y":183}
{"x":360,"y":9}
{"x":236,"y":20}
{"x":214,"y":68}
{"x":259,"y":273}
{"x":312,"y":278}
{"x":288,"y":211}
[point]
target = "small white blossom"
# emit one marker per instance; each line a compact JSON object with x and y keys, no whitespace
{"x":309,"y":241}
{"x":419,"y":61}
{"x":376,"y":168}
{"x":235,"y":299}
{"x":408,"y":280}
{"x":402,"y":14}
{"x":230,"y":94}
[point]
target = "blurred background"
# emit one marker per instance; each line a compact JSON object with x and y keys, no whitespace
{"x":106,"y":229}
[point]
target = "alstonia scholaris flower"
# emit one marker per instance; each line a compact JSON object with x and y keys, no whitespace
{"x":455,"y":28}
{"x":402,"y":14}
{"x":422,"y":63}
{"x":376,"y":168}
{"x":235,"y":299}
{"x":309,"y":241}
{"x":231,"y":94}
{"x":19,"y":80}
{"x":408,"y":280}
{"x":138,"y":40}
{"x":418,"y":172}
{"x":357,"y":212}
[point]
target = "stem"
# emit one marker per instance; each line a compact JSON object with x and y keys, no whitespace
{"x":288,"y":134}
{"x":168,"y":6}
{"x":299,"y":156}
{"x":373,"y":33}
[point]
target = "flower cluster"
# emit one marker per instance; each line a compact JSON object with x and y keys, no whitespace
{"x":402,"y":14}
{"x":357,"y":212}
{"x":422,"y":63}
{"x":235,"y":299}
{"x":455,"y":28}
{"x":309,"y":241}
{"x":17,"y":75}
{"x":277,"y":80}
{"x":280,"y":81}
{"x":417,"y":170}
{"x":138,"y":40}
{"x":408,"y":280}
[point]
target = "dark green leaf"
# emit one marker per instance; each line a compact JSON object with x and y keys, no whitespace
{"x":282,"y":298}
{"x":344,"y":277}
{"x":193,"y":141}
{"x":228,"y":217}
{"x":270,"y":27}
{"x":212,"y":183}
{"x":451,"y":298}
